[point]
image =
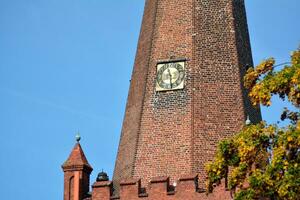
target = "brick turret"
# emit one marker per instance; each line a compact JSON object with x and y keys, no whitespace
{"x":77,"y":172}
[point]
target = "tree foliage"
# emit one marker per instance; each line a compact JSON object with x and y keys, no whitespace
{"x":263,"y":161}
{"x":264,"y":82}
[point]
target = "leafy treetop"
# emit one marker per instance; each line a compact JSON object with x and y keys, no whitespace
{"x":263,"y":161}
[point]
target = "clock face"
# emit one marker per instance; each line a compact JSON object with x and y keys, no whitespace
{"x":170,"y":76}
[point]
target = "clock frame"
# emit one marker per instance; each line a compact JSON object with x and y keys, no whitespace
{"x":170,"y":76}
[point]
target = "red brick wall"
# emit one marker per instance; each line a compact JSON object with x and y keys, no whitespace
{"x":158,"y":189}
{"x":222,"y":52}
{"x":124,"y":165}
{"x":68,"y":185}
{"x":84,"y":184}
{"x":175,"y":132}
{"x":165,"y":137}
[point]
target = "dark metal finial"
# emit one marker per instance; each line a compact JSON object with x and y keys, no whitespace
{"x":78,"y":138}
{"x":102,"y":176}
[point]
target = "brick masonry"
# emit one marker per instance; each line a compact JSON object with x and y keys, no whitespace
{"x":175,"y":132}
{"x":77,"y":172}
{"x":159,"y":188}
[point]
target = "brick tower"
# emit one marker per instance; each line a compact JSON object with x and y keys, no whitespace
{"x":77,"y":172}
{"x":186,"y":90}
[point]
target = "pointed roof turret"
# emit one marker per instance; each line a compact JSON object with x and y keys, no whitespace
{"x":77,"y":159}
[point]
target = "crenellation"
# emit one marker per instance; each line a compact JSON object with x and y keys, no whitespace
{"x":158,"y":188}
{"x":102,"y":190}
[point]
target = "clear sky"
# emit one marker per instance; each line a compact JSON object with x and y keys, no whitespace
{"x":65,"y":66}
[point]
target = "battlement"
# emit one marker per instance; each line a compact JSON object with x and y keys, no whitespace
{"x":77,"y":172}
{"x":159,"y":188}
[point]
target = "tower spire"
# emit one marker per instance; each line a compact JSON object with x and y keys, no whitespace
{"x":77,"y":172}
{"x":186,"y":91}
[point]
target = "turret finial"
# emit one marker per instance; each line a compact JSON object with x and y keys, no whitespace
{"x":102,"y":176}
{"x":78,"y":138}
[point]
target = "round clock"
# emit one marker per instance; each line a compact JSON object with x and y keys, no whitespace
{"x":170,"y":76}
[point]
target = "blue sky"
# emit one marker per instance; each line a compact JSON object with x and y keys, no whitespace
{"x":65,"y":66}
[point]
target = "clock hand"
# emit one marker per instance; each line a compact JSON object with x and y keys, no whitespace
{"x":170,"y":75}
